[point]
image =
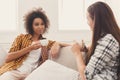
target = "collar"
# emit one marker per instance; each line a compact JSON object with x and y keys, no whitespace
{"x":30,"y":37}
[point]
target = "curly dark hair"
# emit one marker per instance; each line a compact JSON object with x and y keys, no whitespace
{"x":30,"y":16}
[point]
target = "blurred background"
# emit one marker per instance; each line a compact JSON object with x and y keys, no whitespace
{"x":67,"y":18}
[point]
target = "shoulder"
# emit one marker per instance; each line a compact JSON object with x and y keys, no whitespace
{"x":22,"y":36}
{"x":108,"y":44}
{"x":108,"y":38}
{"x":50,"y":43}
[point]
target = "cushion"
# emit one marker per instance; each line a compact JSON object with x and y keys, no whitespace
{"x":51,"y":70}
{"x":3,"y":54}
{"x":66,"y":57}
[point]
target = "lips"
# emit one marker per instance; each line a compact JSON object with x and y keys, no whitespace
{"x":40,"y":31}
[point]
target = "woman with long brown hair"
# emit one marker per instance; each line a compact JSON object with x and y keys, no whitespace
{"x":104,"y":54}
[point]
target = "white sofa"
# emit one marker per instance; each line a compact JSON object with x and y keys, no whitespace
{"x":66,"y":58}
{"x":3,"y":54}
{"x":50,"y":70}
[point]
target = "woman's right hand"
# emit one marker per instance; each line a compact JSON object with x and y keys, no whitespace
{"x":35,"y":45}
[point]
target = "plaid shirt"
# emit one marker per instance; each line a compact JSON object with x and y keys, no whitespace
{"x":104,"y":62}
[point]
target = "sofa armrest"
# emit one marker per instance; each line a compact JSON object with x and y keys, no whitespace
{"x":3,"y":54}
{"x":66,"y":58}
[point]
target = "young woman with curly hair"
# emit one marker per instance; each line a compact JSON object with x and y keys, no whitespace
{"x":27,"y":52}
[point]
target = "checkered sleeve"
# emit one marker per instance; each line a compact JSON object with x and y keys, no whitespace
{"x":104,"y":52}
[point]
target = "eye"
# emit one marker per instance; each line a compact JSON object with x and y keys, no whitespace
{"x":42,"y":24}
{"x":36,"y":24}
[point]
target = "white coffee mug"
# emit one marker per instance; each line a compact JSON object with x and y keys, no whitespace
{"x":44,"y":42}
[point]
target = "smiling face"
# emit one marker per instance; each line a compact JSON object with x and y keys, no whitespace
{"x":90,"y":21}
{"x":38,"y":26}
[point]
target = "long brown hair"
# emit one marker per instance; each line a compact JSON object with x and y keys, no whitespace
{"x":104,"y":23}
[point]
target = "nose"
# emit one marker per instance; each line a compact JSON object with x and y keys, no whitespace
{"x":41,"y":26}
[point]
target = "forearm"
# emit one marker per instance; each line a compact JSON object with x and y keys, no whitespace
{"x":81,"y":65}
{"x":63,"y":44}
{"x":54,"y":51}
{"x":14,"y":55}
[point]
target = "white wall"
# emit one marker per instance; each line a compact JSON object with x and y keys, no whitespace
{"x":51,"y":8}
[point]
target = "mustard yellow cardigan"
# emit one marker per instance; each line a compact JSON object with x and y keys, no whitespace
{"x":23,"y":41}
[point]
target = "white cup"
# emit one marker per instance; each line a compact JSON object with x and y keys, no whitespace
{"x":44,"y":42}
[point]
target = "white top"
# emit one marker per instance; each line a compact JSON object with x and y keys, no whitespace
{"x":31,"y":62}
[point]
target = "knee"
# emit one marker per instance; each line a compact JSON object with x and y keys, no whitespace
{"x":5,"y":75}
